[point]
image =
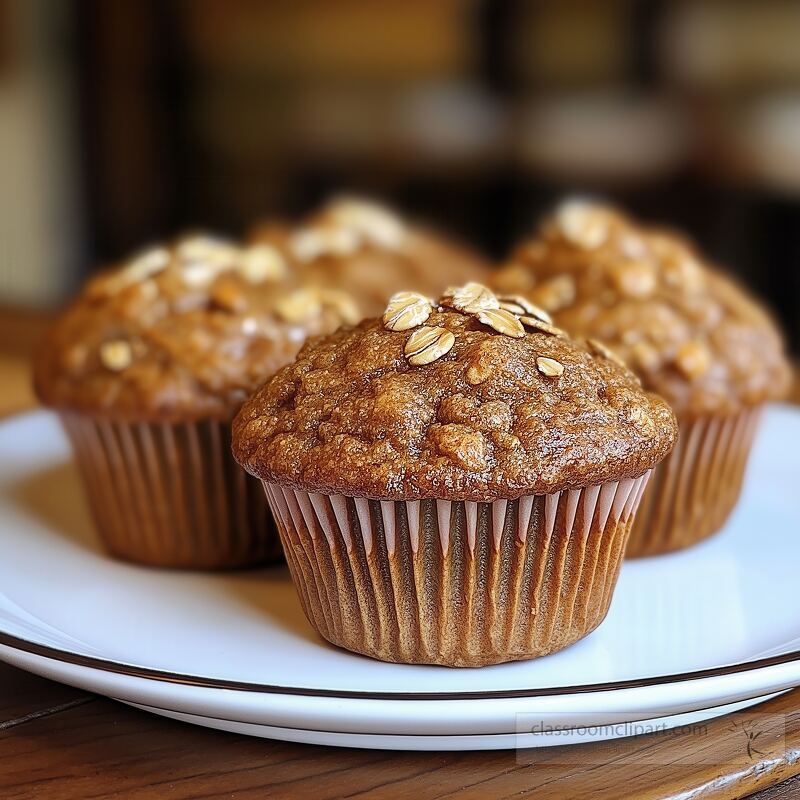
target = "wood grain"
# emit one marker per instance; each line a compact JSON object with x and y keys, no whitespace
{"x":20,"y":334}
{"x":24,"y":696}
{"x":788,"y":790}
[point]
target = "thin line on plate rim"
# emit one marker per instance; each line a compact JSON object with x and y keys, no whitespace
{"x":164,"y":676}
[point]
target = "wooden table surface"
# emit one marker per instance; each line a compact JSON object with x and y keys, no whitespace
{"x":58,"y":742}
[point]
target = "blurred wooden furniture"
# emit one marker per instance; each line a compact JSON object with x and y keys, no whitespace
{"x":64,"y":743}
{"x":20,"y":332}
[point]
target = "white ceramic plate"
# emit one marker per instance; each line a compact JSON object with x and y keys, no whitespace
{"x":523,"y":738}
{"x":689,"y":633}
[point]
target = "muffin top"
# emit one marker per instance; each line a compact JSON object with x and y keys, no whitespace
{"x":371,"y":252}
{"x":475,"y":397}
{"x":690,"y":333}
{"x":182,"y":331}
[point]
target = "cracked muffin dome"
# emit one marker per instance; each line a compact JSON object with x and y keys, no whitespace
{"x":476,"y":397}
{"x":371,"y":252}
{"x":185,"y":331}
{"x":692,"y":334}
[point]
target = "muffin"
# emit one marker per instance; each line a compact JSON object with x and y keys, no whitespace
{"x":370,"y":252}
{"x":690,"y":333}
{"x":453,"y":483}
{"x":146,"y":369}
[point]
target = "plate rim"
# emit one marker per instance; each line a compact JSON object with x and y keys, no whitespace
{"x":203,"y":682}
{"x":151,"y":708}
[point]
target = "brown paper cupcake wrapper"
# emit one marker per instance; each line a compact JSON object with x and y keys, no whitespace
{"x":456,"y":583}
{"x":171,"y":495}
{"x":693,"y":491}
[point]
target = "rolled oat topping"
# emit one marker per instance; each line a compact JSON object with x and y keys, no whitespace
{"x":522,"y":307}
{"x":549,"y":366}
{"x":373,"y":222}
{"x":116,"y":355}
{"x":645,"y":356}
{"x":502,"y":321}
{"x":537,"y":324}
{"x":637,"y":279}
{"x":693,"y":359}
{"x":406,"y":310}
{"x":261,"y":262}
{"x":470,"y":298}
{"x":583,"y":223}
{"x":555,"y":294}
{"x":309,"y":244}
{"x":341,"y":303}
{"x":301,"y":305}
{"x":602,"y":349}
{"x":427,"y":344}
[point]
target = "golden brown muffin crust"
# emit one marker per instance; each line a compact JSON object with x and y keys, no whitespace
{"x":371,"y":252}
{"x":690,"y":333}
{"x":452,"y":407}
{"x":181,"y":332}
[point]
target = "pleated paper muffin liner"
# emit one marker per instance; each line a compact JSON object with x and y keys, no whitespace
{"x":456,"y":583}
{"x":693,"y":491}
{"x":171,"y":495}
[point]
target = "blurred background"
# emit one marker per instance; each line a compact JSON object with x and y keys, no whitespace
{"x":122,"y":121}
